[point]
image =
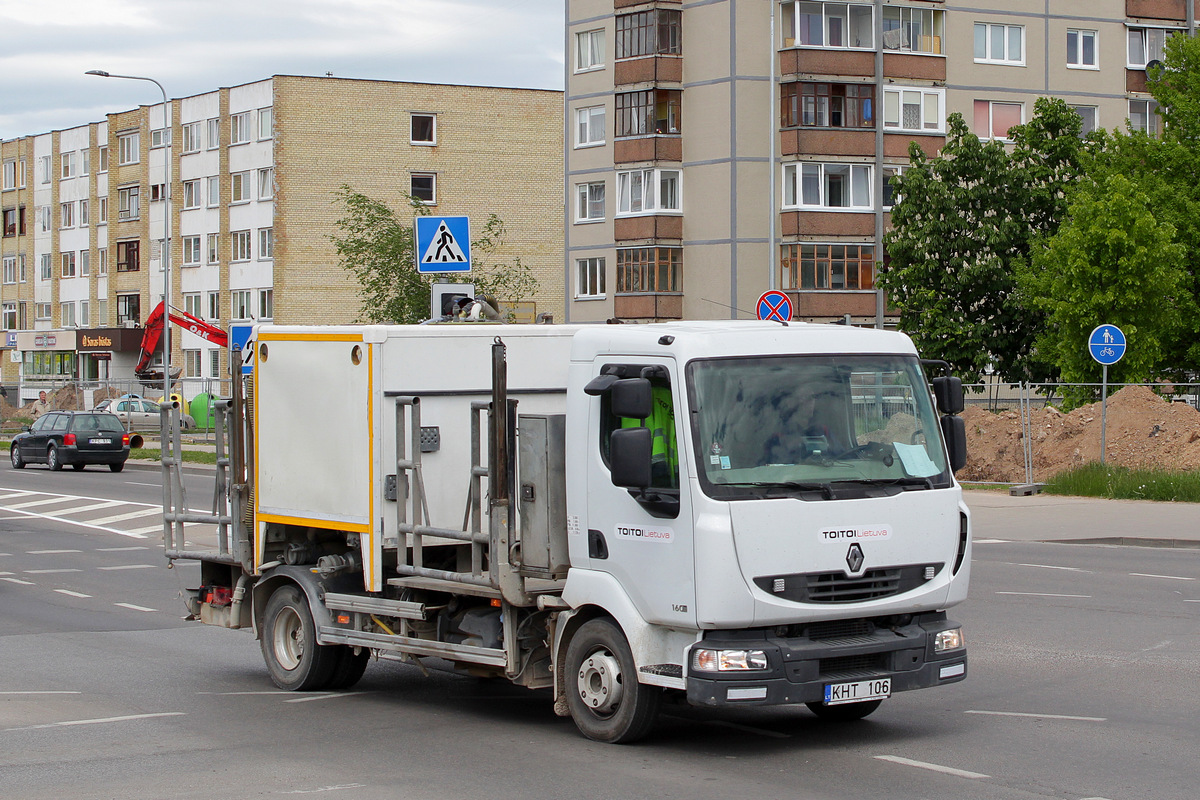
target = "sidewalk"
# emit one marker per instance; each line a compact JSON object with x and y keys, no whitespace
{"x":1053,"y":518}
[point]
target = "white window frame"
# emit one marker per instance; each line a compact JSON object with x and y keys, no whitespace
{"x":191,"y":251}
{"x":10,"y":272}
{"x":589,"y":50}
{"x":590,"y":125}
{"x":794,"y":176}
{"x":640,"y":192}
{"x":266,"y":123}
{"x":239,"y":187}
{"x":9,"y":316}
{"x":412,"y":138}
{"x":10,"y":174}
{"x":266,"y":244}
{"x":84,"y":316}
{"x":991,"y":114}
{"x":84,"y":216}
{"x":160,"y":137}
{"x":128,"y":148}
{"x":192,"y":304}
{"x":47,"y":271}
{"x":1077,"y":51}
{"x":214,"y":306}
{"x":43,"y":310}
{"x":68,"y":165}
{"x":103,"y":151}
{"x":66,"y":312}
{"x":1149,"y":107}
{"x":192,"y":363}
{"x":67,"y":214}
{"x":102,"y":217}
{"x":266,"y":304}
{"x":214,"y":362}
{"x":239,"y":128}
{"x":792,"y":21}
{"x":894,"y":40}
{"x":266,"y":183}
{"x":1150,"y":50}
{"x":590,"y":278}
{"x":47,"y":165}
{"x":85,"y":263}
{"x":85,"y":161}
{"x":192,"y":142}
{"x":214,"y":191}
{"x":191,"y":194}
{"x":1004,"y":57}
{"x":213,"y":134}
{"x":432,"y":176}
{"x":102,"y":262}
{"x":47,"y":219}
{"x":1095,"y":114}
{"x":936,"y":125}
{"x":240,"y":304}
{"x":589,"y":198}
{"x":129,"y":202}
{"x":68,"y":263}
{"x":213,"y":248}
{"x":240,"y":246}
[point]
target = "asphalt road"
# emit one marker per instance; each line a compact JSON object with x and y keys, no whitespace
{"x":1084,"y":665}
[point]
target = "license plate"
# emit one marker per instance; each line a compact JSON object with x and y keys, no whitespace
{"x":99,"y":441}
{"x":857,"y":691}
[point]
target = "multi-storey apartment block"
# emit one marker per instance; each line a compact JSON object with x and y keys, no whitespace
{"x":720,"y":148}
{"x":253,"y":176}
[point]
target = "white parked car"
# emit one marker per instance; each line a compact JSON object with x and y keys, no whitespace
{"x":140,"y":414}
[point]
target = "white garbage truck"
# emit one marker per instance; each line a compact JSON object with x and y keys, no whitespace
{"x":730,"y":513}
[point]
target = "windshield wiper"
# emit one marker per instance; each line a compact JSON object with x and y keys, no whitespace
{"x":924,"y":483}
{"x":824,"y":488}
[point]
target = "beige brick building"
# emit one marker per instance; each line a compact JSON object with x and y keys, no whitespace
{"x":254,"y":171}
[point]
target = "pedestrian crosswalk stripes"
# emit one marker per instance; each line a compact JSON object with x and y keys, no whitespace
{"x":130,"y":519}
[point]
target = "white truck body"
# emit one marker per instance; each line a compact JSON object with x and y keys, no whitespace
{"x":733,"y":571}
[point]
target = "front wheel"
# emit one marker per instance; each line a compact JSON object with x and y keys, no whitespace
{"x":52,"y":459}
{"x":604,"y":696}
{"x":289,"y":644}
{"x":846,"y":712}
{"x":14,"y":454}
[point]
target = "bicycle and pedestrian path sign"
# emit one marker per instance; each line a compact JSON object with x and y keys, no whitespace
{"x":1106,"y":344}
{"x":443,"y":244}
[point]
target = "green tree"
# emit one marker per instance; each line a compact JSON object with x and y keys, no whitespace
{"x":375,"y":244}
{"x":966,"y":221}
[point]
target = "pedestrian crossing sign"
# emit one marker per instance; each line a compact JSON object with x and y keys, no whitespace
{"x":443,"y":244}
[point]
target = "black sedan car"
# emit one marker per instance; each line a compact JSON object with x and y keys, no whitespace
{"x":77,"y":438}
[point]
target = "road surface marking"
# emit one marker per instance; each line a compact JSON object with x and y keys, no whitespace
{"x":149,"y":529}
{"x":1164,"y":577}
{"x":91,"y":525}
{"x":81,"y":509}
{"x":1047,"y":594}
{"x":45,"y":691}
{"x":908,"y":762}
{"x":327,"y":789}
{"x":154,"y":485}
{"x":241,"y":694}
{"x":132,"y":607}
{"x":69,"y":593}
{"x":1038,"y":716}
{"x":97,"y":721}
{"x":1051,"y":566}
{"x":17,"y":580}
{"x":43,"y":502}
{"x":50,"y":552}
{"x":49,"y":571}
{"x":324,"y":697}
{"x":125,"y":516}
{"x":990,"y":541}
{"x":121,"y":549}
{"x":130,"y":566}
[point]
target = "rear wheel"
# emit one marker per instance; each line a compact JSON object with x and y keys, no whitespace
{"x":14,"y":454}
{"x":846,"y":712}
{"x":78,"y":467}
{"x":289,"y":644}
{"x":52,"y":459}
{"x":604,"y":696}
{"x":117,"y":467}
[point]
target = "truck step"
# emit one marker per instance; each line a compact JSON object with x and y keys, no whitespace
{"x":375,"y":605}
{"x":449,"y":587}
{"x":419,"y":647}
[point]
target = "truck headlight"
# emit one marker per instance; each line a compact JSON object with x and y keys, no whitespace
{"x":728,"y":660}
{"x":948,"y":640}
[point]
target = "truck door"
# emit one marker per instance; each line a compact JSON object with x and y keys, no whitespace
{"x":643,"y":537}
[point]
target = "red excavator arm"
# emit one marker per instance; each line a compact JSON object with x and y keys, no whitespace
{"x":154,"y":329}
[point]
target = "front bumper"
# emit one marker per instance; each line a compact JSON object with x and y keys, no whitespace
{"x":800,"y":667}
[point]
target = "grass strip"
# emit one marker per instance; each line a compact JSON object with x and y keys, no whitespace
{"x":1124,"y":483}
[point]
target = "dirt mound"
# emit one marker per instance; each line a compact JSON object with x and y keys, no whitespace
{"x":1143,"y":430}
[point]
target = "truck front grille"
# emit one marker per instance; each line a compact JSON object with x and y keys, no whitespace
{"x":838,"y":587}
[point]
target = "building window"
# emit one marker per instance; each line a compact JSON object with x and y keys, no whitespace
{"x":127,"y":256}
{"x":1087,"y":117}
{"x":85,"y":263}
{"x":1081,"y":49}
{"x":127,"y":148}
{"x":45,"y":167}
{"x":647,"y":191}
{"x":10,"y":222}
{"x":68,"y":165}
{"x":10,"y":271}
{"x":214,"y":253}
{"x":999,"y":44}
{"x":10,"y":175}
{"x":23,"y":268}
{"x":266,"y":303}
{"x":101,"y":311}
{"x":422,"y":129}
{"x":423,"y":186}
{"x":833,"y":25}
{"x":1143,"y":116}
{"x":9,"y":320}
{"x":158,"y":192}
{"x":649,"y":269}
{"x":648,"y":33}
{"x":160,"y":137}
{"x":214,"y":306}
{"x":214,"y":191}
{"x":103,"y":150}
{"x":191,"y":194}
{"x":240,"y":250}
{"x":67,"y":215}
{"x":191,"y":304}
{"x":266,"y":183}
{"x":191,"y":137}
{"x":84,"y":316}
{"x":589,"y":50}
{"x":240,"y":300}
{"x":828,"y":105}
{"x":590,"y":202}
{"x":191,"y":364}
{"x":914,"y":30}
{"x":266,"y":120}
{"x":191,"y":251}
{"x":648,"y":112}
{"x":914,"y":110}
{"x":214,"y":362}
{"x":827,"y":186}
{"x":129,"y":308}
{"x":589,"y":126}
{"x":84,"y":210}
{"x":85,"y":162}
{"x":590,"y":279}
{"x":239,"y":128}
{"x":266,"y":244}
{"x":127,"y":202}
{"x":827,"y":266}
{"x":993,"y":120}
{"x":103,"y":216}
{"x":239,"y":187}
{"x":47,"y":270}
{"x":214,"y":133}
{"x":43,"y":310}
{"x":1146,"y":45}
{"x":66,"y":313}
{"x":102,"y":262}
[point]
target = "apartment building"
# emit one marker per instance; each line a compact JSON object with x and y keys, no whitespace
{"x":720,"y":148}
{"x":253,"y":175}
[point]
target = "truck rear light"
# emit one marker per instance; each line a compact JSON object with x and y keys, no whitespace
{"x":69,"y":439}
{"x":217,"y":595}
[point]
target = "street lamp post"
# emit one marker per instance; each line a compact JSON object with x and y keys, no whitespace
{"x":166,"y":253}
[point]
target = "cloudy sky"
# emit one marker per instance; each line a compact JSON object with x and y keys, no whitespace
{"x":196,"y":46}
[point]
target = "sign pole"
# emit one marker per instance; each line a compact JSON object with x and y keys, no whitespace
{"x":1103,"y":410}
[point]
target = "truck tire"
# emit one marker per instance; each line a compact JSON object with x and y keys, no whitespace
{"x":348,"y":667}
{"x":847,"y":712}
{"x":603,"y":694}
{"x":289,"y":644}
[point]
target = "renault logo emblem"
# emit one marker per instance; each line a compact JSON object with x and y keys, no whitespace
{"x":855,"y":557}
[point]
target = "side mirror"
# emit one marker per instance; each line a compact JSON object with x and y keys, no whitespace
{"x":631,"y":397}
{"x":948,"y":393}
{"x":954,"y":431}
{"x":629,"y":453}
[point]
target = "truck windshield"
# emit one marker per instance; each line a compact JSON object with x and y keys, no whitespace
{"x":814,"y":426}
